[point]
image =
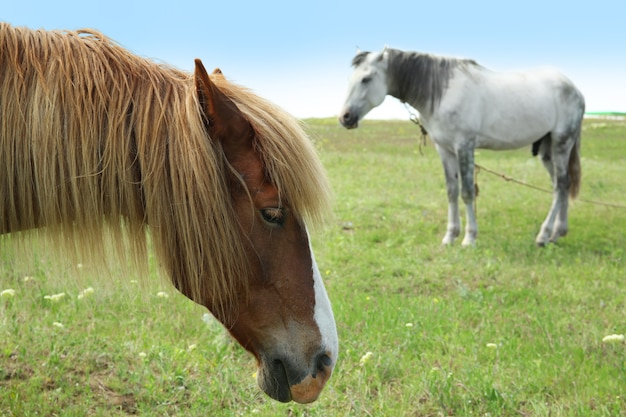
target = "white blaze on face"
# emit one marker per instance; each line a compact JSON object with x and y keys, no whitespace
{"x":324,"y":314}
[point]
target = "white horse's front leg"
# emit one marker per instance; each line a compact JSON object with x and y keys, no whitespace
{"x":450,"y":168}
{"x":466,"y":166}
{"x":454,"y":222}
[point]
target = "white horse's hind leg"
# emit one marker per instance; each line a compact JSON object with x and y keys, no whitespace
{"x":546,"y":227}
{"x":562,"y":191}
{"x":555,"y":158}
{"x":560,"y":225}
{"x":545,"y":153}
{"x":466,"y":166}
{"x":555,"y":224}
{"x":451,"y":168}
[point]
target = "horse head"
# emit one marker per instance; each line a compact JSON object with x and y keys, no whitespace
{"x":284,"y":317}
{"x":367,"y":87}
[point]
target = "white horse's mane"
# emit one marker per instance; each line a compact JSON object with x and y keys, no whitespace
{"x":421,"y":77}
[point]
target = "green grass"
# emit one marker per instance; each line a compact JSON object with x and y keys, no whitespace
{"x":500,"y":329}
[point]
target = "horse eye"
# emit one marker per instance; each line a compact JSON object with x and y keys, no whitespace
{"x":273,"y":216}
{"x":366,"y":80}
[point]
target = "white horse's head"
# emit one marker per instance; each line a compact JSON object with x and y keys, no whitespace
{"x":367,"y":86}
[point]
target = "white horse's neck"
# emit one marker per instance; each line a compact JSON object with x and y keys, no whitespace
{"x":420,"y":79}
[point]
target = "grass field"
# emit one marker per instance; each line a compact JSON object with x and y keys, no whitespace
{"x":500,"y":329}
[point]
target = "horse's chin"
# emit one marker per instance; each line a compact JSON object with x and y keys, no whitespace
{"x":349,"y":125}
{"x":273,"y":379}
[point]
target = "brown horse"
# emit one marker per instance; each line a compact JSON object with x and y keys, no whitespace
{"x":95,"y":141}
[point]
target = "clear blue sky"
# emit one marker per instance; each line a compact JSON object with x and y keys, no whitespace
{"x":298,"y":54}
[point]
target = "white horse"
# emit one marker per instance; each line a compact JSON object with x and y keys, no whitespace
{"x":465,"y":106}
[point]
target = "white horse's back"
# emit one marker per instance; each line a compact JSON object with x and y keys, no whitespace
{"x":508,"y":110}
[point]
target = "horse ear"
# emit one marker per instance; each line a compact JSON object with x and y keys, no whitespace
{"x":218,"y":73}
{"x":383,"y":54}
{"x":224,"y":120}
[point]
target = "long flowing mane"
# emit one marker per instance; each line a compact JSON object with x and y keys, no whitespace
{"x":422,"y":78}
{"x":94,"y":138}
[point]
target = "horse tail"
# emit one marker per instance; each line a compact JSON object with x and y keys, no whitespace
{"x":574,"y":170}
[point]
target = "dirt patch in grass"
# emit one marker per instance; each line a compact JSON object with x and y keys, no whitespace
{"x":106,"y":395}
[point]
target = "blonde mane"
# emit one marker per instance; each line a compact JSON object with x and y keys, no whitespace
{"x":94,"y":138}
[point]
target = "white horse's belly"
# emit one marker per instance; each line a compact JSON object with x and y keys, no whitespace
{"x":512,"y":128}
{"x":497,"y":128}
{"x":510,"y":136}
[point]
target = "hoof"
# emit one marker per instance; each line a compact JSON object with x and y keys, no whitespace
{"x":557,"y":234}
{"x":543,"y":238}
{"x":449,"y":238}
{"x":468,"y":242}
{"x":470,"y":238}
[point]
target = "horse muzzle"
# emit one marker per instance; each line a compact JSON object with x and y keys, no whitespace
{"x":349,"y":120}
{"x":284,"y":381}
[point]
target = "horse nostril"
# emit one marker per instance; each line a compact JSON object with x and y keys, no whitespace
{"x":322,"y":361}
{"x":346,"y":115}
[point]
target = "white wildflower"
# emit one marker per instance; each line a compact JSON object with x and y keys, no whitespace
{"x":613,"y":338}
{"x":365,"y":358}
{"x":86,"y":292}
{"x":8,"y":293}
{"x":54,"y":297}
